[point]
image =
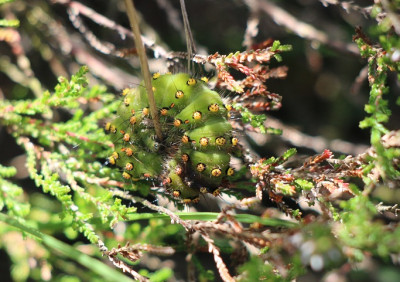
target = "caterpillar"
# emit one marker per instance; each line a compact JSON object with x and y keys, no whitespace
{"x":196,"y":149}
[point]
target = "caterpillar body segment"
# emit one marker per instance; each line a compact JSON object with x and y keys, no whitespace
{"x":177,"y":186}
{"x":215,"y":130}
{"x":211,"y":161}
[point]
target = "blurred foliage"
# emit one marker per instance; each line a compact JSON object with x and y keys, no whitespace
{"x":291,"y":213}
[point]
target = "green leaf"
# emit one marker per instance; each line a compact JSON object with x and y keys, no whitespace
{"x":9,"y":23}
{"x":304,"y":184}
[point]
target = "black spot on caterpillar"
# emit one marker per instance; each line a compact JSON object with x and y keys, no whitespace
{"x":194,"y":155}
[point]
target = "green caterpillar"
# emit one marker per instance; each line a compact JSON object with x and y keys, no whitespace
{"x":195,"y":154}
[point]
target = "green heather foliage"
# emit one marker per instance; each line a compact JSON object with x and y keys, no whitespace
{"x":281,"y":217}
{"x":382,"y":60}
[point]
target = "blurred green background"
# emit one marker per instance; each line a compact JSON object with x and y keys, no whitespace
{"x":323,"y":94}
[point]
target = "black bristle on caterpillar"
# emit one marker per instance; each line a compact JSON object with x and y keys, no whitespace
{"x":195,"y":152}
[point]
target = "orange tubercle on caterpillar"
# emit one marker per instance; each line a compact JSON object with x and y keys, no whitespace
{"x":213,"y":108}
{"x":156,"y":75}
{"x":179,"y":94}
{"x":126,"y":175}
{"x":126,"y":102}
{"x":115,"y":155}
{"x":132,"y":120}
{"x":185,"y":139}
{"x":107,"y":127}
{"x":128,"y":152}
{"x":216,"y":192}
{"x":125,"y":91}
{"x":185,"y":158}
{"x":111,"y":160}
{"x":177,"y":122}
{"x":200,"y":167}
{"x":164,"y":111}
{"x":146,"y":175}
{"x":234,"y":141}
{"x":197,"y":115}
{"x":126,"y":137}
{"x":191,"y":82}
{"x":178,"y":170}
{"x":216,"y":172}
{"x":230,"y":171}
{"x":128,"y":166}
{"x":145,"y":111}
{"x":204,"y":79}
{"x":203,"y":190}
{"x":167,"y":181}
{"x":220,"y":141}
{"x":228,"y":107}
{"x":203,"y":141}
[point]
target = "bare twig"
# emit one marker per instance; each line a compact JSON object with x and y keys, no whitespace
{"x":362,"y":76}
{"x":304,"y":30}
{"x":252,"y":24}
{"x":252,"y":238}
{"x":383,"y":208}
{"x":392,"y":15}
{"x":172,"y":15}
{"x":300,"y":139}
{"x":103,"y":47}
{"x":159,"y":250}
{"x":79,"y":8}
{"x":251,"y":30}
{"x":348,"y":6}
{"x":53,"y":33}
{"x":120,"y":264}
{"x":222,"y":269}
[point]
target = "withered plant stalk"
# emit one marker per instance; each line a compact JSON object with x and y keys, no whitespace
{"x":134,"y":21}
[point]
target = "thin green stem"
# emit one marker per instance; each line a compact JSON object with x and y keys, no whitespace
{"x":209,"y":216}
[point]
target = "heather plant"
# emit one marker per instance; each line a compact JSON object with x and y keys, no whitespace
{"x":277,"y":218}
